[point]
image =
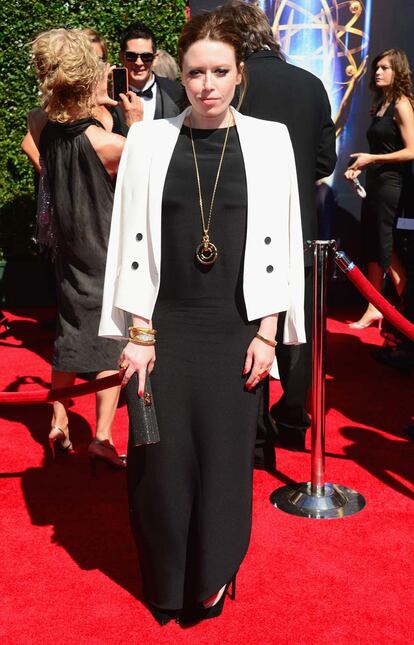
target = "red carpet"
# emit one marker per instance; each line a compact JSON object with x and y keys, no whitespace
{"x":69,"y":572}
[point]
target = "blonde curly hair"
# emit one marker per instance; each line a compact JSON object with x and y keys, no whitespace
{"x":68,"y":71}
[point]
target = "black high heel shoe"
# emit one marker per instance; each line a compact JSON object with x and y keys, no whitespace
{"x":193,"y":616}
{"x":215,"y":610}
{"x":164,"y":616}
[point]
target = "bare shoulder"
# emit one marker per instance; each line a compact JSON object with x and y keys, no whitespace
{"x":404,"y":108}
{"x":103,"y":141}
{"x":108,"y":146}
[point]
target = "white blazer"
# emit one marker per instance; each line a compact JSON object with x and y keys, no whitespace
{"x":273,"y":279}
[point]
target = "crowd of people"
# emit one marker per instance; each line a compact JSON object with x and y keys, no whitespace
{"x":176,"y":219}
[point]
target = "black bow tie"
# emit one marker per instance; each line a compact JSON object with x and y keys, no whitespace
{"x":148,"y":93}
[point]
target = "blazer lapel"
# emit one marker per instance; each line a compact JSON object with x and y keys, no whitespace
{"x":250,"y":147}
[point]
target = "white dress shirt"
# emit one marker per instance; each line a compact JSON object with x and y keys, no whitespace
{"x":149,"y":103}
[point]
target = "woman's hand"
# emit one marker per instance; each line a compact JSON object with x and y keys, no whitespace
{"x":133,"y":107}
{"x":352,"y":174}
{"x":362,"y":159}
{"x":139,"y":359}
{"x":102,"y":97}
{"x":259,"y":361}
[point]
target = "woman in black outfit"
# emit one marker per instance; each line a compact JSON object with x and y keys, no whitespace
{"x":391,"y":143}
{"x":79,"y":160}
{"x":205,"y":246}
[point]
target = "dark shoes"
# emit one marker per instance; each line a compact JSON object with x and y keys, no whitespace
{"x":164,"y":616}
{"x":291,"y":438}
{"x":191,"y":617}
{"x":264,"y":451}
{"x":104,"y":452}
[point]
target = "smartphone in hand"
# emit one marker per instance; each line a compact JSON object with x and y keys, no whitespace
{"x":118,"y":82}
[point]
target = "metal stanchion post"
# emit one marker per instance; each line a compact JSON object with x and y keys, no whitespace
{"x":320,"y":257}
{"x":318,"y":499}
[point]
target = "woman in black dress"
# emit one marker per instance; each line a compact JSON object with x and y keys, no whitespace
{"x":80,"y":161}
{"x":391,"y":143}
{"x":206,"y":246}
{"x":37,"y":117}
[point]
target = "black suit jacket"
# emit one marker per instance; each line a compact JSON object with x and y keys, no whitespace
{"x":169,"y":102}
{"x":278,"y":91}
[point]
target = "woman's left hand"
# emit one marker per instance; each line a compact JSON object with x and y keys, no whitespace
{"x":259,"y":361}
{"x":362,"y":159}
{"x":351,"y":174}
{"x":102,"y":97}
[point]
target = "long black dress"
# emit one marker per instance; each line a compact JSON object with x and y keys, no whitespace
{"x":190,"y":495}
{"x":81,"y":198}
{"x":384,"y":186}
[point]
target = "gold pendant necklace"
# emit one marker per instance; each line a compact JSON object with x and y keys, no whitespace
{"x":206,"y":252}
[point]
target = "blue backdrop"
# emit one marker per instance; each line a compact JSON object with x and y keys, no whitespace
{"x":337,"y":40}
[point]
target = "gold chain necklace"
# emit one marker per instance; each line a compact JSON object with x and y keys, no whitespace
{"x":206,"y":252}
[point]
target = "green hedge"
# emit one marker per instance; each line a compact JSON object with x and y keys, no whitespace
{"x":22,"y":20}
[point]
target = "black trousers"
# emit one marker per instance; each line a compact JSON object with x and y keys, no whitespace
{"x":295,"y":368}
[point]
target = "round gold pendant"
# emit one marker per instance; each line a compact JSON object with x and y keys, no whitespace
{"x":206,"y":253}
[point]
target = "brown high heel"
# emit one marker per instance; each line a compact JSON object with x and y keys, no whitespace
{"x":104,"y":451}
{"x":59,"y":441}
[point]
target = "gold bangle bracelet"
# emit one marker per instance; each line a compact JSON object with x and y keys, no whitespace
{"x":142,"y":340}
{"x":142,"y":336}
{"x":268,"y":341}
{"x":136,"y":341}
{"x":143,"y":330}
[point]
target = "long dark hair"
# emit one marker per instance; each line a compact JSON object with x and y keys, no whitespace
{"x":402,"y":85}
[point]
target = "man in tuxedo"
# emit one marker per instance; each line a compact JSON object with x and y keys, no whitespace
{"x":278,"y":91}
{"x":161,"y":97}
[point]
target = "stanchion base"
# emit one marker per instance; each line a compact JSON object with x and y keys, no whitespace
{"x":337,"y":501}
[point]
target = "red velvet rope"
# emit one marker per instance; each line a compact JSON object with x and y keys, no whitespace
{"x":47,"y":396}
{"x":372,"y":295}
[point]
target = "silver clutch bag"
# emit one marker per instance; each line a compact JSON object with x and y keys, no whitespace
{"x":143,"y":426}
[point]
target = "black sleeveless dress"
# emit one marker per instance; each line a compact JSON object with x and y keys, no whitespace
{"x":191,"y":494}
{"x":384,"y":185}
{"x":81,"y":200}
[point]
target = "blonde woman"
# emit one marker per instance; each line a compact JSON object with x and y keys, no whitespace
{"x":80,"y":159}
{"x":37,"y":117}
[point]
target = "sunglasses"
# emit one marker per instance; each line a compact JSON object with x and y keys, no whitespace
{"x":146,"y":57}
